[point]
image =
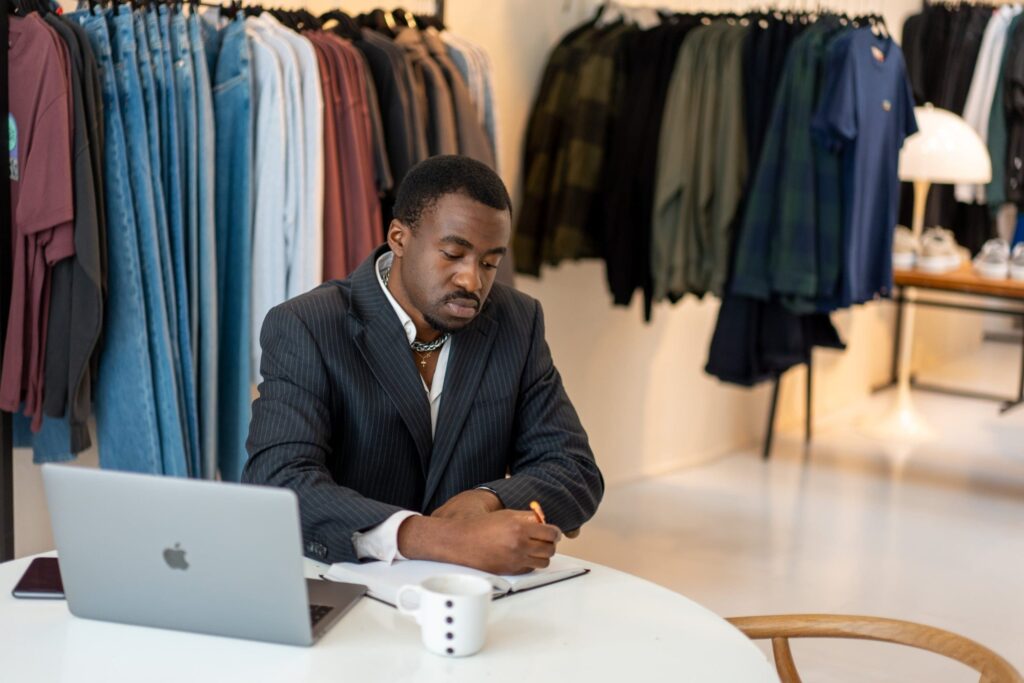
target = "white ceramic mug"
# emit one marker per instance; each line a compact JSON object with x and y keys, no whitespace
{"x":451,"y":610}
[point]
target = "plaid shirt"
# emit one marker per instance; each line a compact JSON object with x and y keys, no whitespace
{"x":594,"y":106}
{"x":791,"y":237}
{"x":548,"y":119}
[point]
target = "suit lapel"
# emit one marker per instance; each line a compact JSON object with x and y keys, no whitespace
{"x":382,"y":350}
{"x":468,"y":360}
{"x":381,"y":341}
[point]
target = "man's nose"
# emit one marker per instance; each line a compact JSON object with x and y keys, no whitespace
{"x":468,"y":279}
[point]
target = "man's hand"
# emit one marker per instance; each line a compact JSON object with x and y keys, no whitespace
{"x":502,"y":542}
{"x":469,"y":504}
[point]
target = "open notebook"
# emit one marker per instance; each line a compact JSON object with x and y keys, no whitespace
{"x":384,"y":580}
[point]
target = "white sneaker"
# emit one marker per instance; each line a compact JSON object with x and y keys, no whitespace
{"x":939,"y":252}
{"x":905,"y":248}
{"x":1017,"y":262}
{"x":993,"y":261}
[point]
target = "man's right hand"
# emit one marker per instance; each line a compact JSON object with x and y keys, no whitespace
{"x":502,"y":542}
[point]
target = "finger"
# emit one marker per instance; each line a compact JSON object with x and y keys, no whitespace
{"x":540,"y":549}
{"x":536,"y":562}
{"x":545,"y":532}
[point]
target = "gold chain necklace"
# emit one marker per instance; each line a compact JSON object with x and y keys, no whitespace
{"x":423,"y":357}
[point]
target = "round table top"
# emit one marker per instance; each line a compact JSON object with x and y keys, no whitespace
{"x":604,"y":626}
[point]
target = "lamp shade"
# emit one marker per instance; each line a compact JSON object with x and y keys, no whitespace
{"x":945,"y":149}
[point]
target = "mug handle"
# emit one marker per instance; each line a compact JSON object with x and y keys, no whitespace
{"x":408,"y":590}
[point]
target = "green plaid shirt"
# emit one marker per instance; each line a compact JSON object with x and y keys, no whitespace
{"x":595,"y":105}
{"x":790,"y":242}
{"x":548,"y":120}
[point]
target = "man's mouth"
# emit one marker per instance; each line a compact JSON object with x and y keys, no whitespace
{"x":462,"y":308}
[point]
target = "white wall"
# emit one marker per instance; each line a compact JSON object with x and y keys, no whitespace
{"x":640,"y":389}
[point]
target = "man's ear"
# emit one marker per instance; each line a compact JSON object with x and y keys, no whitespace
{"x":398,"y":234}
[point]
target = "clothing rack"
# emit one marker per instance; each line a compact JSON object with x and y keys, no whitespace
{"x":6,"y":443}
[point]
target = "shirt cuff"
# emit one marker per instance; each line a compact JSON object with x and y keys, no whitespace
{"x":496,"y":494}
{"x":381,"y":542}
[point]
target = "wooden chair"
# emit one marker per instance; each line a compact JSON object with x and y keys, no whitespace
{"x":780,"y":628}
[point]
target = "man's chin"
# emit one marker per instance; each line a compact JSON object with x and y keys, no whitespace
{"x":448,"y":324}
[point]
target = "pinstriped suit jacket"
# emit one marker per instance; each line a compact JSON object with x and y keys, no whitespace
{"x":343,"y":420}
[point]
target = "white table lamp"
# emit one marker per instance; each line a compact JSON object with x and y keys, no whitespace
{"x":945,"y":150}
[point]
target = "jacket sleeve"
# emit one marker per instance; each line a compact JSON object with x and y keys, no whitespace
{"x":290,"y":441}
{"x":552,"y":461}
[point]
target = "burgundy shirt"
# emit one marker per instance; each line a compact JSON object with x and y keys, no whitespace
{"x":361,"y":212}
{"x":42,"y":202}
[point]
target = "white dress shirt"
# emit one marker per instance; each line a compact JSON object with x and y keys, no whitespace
{"x":269,"y":257}
{"x":381,"y":542}
{"x":306,"y":258}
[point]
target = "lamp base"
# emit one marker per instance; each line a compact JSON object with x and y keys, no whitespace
{"x":899,"y":423}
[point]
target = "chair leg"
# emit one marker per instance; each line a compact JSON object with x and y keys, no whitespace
{"x":784,"y":661}
{"x":809,"y":415}
{"x":769,"y":437}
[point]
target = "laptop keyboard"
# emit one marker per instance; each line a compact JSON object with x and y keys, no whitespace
{"x":318,"y":612}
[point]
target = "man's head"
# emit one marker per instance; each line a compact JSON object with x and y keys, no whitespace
{"x":452,"y":225}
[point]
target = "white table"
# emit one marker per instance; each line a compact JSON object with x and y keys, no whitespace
{"x":605,"y":626}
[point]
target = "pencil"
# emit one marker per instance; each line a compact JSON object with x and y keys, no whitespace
{"x":538,"y":511}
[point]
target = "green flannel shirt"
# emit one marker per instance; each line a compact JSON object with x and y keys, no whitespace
{"x":791,"y":237}
{"x":593,"y":108}
{"x":547,"y":121}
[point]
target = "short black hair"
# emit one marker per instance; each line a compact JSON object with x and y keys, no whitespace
{"x":433,"y":178}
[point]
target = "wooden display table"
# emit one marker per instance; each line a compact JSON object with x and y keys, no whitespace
{"x":999,"y":297}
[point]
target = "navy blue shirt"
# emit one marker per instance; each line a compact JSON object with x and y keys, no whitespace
{"x":865,"y":113}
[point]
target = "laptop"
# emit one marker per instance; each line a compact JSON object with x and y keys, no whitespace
{"x":190,"y":555}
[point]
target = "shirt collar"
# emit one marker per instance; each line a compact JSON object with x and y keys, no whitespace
{"x":384,"y":263}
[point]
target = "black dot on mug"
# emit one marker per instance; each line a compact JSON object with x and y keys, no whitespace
{"x":448,"y":620}
{"x":448,"y":604}
{"x":450,"y":651}
{"x":449,"y":635}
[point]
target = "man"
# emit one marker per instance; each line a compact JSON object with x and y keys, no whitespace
{"x":395,"y":402}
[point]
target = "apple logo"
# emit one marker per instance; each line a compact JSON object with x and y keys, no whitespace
{"x":175,"y":557}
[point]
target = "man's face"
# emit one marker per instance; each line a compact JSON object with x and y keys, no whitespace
{"x":450,"y":259}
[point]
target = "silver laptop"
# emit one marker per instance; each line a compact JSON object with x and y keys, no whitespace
{"x":200,"y":556}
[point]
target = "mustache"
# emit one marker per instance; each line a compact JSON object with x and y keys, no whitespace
{"x":462,"y":295}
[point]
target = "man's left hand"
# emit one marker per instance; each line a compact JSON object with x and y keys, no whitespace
{"x":469,"y":504}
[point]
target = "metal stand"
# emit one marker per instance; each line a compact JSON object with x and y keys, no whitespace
{"x":769,"y":438}
{"x":1007,"y":403}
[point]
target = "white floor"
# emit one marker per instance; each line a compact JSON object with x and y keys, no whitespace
{"x":931,"y":533}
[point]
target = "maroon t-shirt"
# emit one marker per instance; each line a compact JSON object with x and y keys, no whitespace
{"x":362,"y":212}
{"x":42,"y":201}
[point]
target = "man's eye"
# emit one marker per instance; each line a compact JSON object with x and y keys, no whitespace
{"x":450,"y":257}
{"x":490,"y":266}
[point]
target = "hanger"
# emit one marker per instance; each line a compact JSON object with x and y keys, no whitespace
{"x":347,"y":27}
{"x":609,"y":13}
{"x":310,"y":20}
{"x":430,"y":21}
{"x":380,"y":21}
